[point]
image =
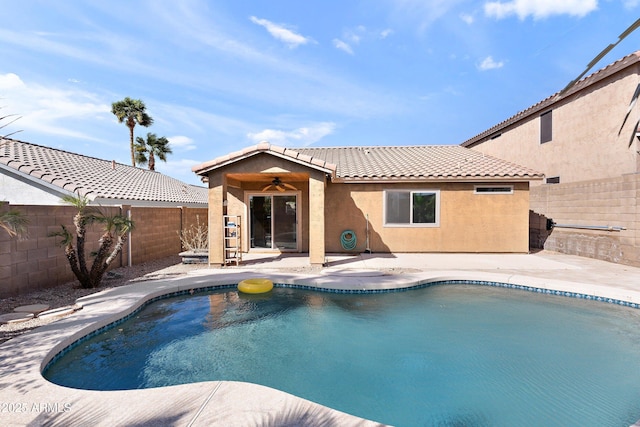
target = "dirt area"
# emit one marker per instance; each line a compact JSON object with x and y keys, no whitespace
{"x":65,"y":295}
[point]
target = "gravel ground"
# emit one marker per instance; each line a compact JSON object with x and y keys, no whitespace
{"x":65,"y":295}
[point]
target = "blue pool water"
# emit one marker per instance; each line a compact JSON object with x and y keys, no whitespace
{"x":452,"y":355}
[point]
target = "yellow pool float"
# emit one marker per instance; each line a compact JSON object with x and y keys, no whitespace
{"x":255,"y":286}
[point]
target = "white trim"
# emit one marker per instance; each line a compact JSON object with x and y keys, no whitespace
{"x":411,"y":224}
{"x":435,"y":180}
{"x":500,"y":189}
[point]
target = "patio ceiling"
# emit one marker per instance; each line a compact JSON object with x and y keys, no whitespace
{"x":265,"y":177}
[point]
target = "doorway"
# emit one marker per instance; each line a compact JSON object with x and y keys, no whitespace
{"x":273,"y":222}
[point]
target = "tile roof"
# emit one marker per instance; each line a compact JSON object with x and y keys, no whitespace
{"x":389,"y":163}
{"x":417,"y":162}
{"x":97,"y":178}
{"x":615,"y":67}
{"x":263,"y":147}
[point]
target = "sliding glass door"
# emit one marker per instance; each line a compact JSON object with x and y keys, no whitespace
{"x":273,"y":221}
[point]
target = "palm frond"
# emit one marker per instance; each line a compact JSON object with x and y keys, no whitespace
{"x":67,"y":236}
{"x":14,"y":222}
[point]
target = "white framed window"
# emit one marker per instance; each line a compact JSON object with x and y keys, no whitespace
{"x":493,"y":189}
{"x":411,"y":208}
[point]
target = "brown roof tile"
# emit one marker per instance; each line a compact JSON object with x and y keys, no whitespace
{"x":97,"y":178}
{"x":391,"y":162}
{"x":417,"y":162}
{"x":263,"y":147}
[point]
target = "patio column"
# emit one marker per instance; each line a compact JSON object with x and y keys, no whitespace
{"x":316,"y":220}
{"x":216,"y":239}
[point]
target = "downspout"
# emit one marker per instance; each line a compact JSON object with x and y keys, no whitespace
{"x":129,"y":245}
{"x":181,"y":226}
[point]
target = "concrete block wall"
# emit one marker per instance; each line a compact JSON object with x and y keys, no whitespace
{"x":38,"y":261}
{"x":156,"y":233}
{"x":611,"y":202}
{"x":193,"y":216}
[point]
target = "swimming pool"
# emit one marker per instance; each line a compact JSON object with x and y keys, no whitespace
{"x":443,"y":355}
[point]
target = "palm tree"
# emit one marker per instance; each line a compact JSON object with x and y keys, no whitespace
{"x":14,"y":222}
{"x":154,"y":146}
{"x":13,"y":118}
{"x":131,"y":112}
{"x":114,"y":236}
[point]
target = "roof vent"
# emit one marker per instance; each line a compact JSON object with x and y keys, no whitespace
{"x":113,"y":165}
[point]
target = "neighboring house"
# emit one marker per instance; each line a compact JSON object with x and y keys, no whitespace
{"x":585,"y":141}
{"x":33,"y":179}
{"x":394,"y":199}
{"x":32,"y":174}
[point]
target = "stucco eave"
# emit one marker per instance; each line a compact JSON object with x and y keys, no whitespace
{"x":40,"y":183}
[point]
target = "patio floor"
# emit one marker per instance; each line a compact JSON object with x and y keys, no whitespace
{"x":31,"y":400}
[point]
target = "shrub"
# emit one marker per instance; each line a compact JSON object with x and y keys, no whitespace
{"x":196,"y":237}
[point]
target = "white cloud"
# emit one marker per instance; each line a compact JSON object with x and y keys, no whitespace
{"x":182,"y":142}
{"x":539,"y":9}
{"x":490,"y":64}
{"x":352,"y":37}
{"x":180,"y":169}
{"x":631,"y":4}
{"x":345,"y":47}
{"x":301,"y":137}
{"x":358,"y":35}
{"x":10,"y":81}
{"x":421,"y":12}
{"x":49,"y":110}
{"x":386,"y":33}
{"x":282,"y":33}
{"x":467,"y":18}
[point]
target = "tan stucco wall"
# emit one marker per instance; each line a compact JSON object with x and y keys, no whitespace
{"x":317,"y":220}
{"x":586,"y":141}
{"x":236,"y":201}
{"x":468,"y":222}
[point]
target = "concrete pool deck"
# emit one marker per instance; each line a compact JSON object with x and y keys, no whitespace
{"x":26,"y":398}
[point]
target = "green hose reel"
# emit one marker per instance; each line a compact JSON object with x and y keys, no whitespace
{"x":348,"y":240}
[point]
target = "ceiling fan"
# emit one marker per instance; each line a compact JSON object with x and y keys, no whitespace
{"x":277,"y":184}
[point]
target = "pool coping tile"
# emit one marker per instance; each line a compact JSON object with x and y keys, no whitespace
{"x":29,"y":399}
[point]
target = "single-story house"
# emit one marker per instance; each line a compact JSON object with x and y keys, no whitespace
{"x":32,"y":174}
{"x":377,"y":199}
{"x":33,"y":180}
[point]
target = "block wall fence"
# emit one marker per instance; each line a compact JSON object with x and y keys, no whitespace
{"x":38,"y":261}
{"x":611,"y":202}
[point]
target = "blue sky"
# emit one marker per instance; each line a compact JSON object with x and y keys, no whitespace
{"x":218,"y":76}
